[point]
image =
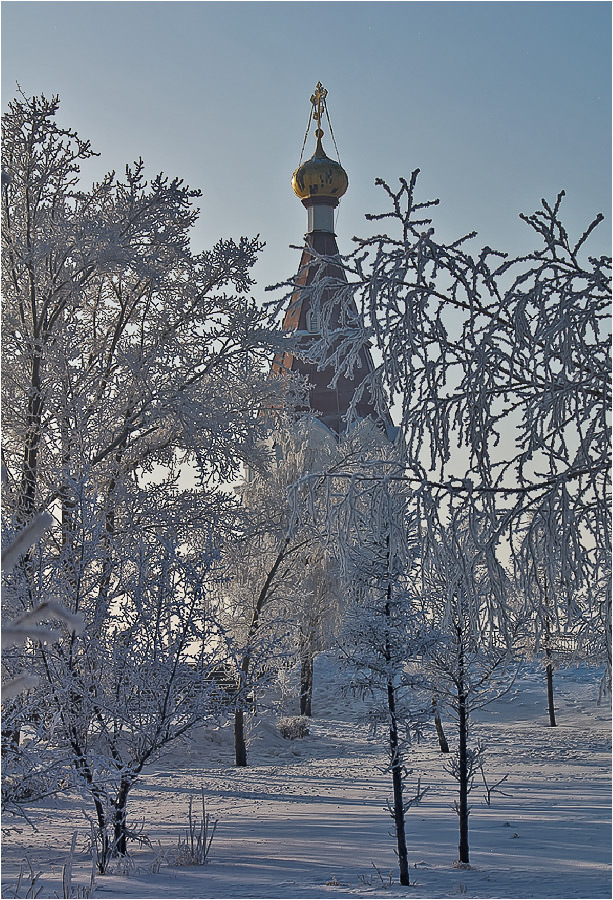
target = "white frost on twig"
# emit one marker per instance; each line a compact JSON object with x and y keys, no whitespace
{"x":24,"y":540}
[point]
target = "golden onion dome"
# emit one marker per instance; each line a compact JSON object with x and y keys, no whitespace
{"x":320,"y":176}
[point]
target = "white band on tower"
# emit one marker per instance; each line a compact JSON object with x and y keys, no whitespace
{"x":320,"y":218}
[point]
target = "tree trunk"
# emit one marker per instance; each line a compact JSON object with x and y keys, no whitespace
{"x":120,"y":842}
{"x":32,"y":441}
{"x":240,"y":746}
{"x":463,"y":811}
{"x":550,"y":701}
{"x":396,"y":766}
{"x":395,"y":754}
{"x":102,"y":855}
{"x":306,"y":682}
{"x":26,"y":502}
{"x":442,"y":740}
{"x":549,"y":673}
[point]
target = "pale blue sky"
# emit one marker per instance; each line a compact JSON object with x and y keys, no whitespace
{"x":499,"y":104}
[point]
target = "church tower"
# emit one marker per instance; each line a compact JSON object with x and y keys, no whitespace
{"x":319,"y":183}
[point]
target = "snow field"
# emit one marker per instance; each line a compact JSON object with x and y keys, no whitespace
{"x":306,"y":819}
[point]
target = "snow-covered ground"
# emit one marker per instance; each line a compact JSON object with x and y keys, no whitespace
{"x":307,"y":819}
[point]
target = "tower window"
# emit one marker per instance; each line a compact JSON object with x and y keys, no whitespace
{"x":313,"y":323}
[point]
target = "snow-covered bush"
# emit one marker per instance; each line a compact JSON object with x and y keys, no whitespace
{"x":292,"y":727}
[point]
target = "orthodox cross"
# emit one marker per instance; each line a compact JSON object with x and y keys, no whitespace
{"x":318,"y":101}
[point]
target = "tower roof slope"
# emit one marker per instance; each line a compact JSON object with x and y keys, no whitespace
{"x":319,"y":183}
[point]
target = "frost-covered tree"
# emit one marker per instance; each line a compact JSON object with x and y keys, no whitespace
{"x":499,"y":368}
{"x":469,"y":662}
{"x":132,"y":373}
{"x":280,"y":599}
{"x":255,"y":610}
{"x":117,"y":694}
{"x":307,"y":447}
{"x":317,"y":616}
{"x":27,"y":774}
{"x":382,"y":633}
{"x":561,"y":627}
{"x":125,"y":345}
